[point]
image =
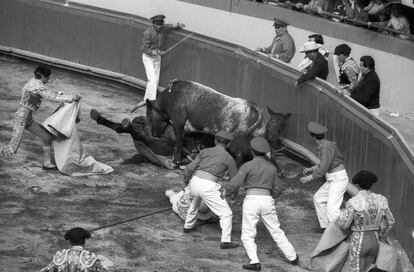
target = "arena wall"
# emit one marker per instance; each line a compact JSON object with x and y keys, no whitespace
{"x":249,"y":24}
{"x":108,"y":43}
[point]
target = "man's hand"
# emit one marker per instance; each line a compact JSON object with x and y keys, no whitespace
{"x":180,"y":25}
{"x":6,"y":151}
{"x":307,"y":171}
{"x":259,"y":49}
{"x":304,"y":180}
{"x":161,"y":53}
{"x":77,"y":98}
{"x":297,"y":84}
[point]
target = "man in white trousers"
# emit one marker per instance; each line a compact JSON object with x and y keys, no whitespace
{"x":204,"y":171}
{"x":152,"y":39}
{"x":261,"y":184}
{"x":328,"y":198}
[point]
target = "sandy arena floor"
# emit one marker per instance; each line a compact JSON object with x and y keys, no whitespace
{"x":37,"y":207}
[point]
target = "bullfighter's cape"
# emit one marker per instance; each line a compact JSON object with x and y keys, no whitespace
{"x":70,"y":156}
{"x":331,"y":253}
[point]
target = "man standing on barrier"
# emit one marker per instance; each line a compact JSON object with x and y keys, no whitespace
{"x":204,"y":171}
{"x":261,"y":184}
{"x":152,"y":39}
{"x":328,"y":198}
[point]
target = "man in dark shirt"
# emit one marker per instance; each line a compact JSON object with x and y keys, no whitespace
{"x":152,"y":39}
{"x":367,"y":90}
{"x":204,"y":171}
{"x":319,"y":67}
{"x":328,"y":198}
{"x":261,"y":182}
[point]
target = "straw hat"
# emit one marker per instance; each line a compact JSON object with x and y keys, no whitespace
{"x":310,"y":46}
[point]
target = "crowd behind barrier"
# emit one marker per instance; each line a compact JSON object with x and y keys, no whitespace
{"x":379,"y":21}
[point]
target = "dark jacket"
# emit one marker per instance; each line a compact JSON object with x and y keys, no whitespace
{"x":319,"y":69}
{"x":366,"y":92}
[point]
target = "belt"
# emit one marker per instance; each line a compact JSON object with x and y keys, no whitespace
{"x":337,"y":168}
{"x":258,"y":191}
{"x":365,"y":228}
{"x":205,"y":175}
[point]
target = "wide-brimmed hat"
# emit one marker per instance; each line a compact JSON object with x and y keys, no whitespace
{"x":310,"y":46}
{"x":260,"y":144}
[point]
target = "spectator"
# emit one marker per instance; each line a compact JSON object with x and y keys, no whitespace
{"x":319,"y":67}
{"x":399,"y":22}
{"x":348,"y":67}
{"x":314,"y":6}
{"x":374,"y":7}
{"x":283,"y":46}
{"x":367,"y":91}
{"x":318,"y":39}
{"x":356,"y":12}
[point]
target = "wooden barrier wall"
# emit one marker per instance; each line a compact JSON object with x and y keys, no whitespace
{"x":111,"y":41}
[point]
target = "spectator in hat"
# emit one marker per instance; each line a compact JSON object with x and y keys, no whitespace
{"x":318,"y":39}
{"x":261,"y":184}
{"x":202,"y":175}
{"x":367,"y":90}
{"x":77,"y":258}
{"x":318,"y":68}
{"x":328,"y":198}
{"x":152,"y":40}
{"x":283,"y":46}
{"x":348,"y":67}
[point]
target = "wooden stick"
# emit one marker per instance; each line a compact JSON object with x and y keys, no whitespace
{"x":130,"y":219}
{"x":178,"y":43}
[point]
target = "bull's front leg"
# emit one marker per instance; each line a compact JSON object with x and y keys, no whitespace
{"x":179,"y":134}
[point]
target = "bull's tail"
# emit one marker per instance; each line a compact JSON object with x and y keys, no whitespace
{"x":257,"y":129}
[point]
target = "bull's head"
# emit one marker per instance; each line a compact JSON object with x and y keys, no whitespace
{"x":158,"y":119}
{"x":275,"y":127}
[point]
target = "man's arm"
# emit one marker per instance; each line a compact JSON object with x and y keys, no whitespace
{"x":313,"y":72}
{"x":190,"y":168}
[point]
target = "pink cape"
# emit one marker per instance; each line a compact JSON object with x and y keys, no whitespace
{"x":70,"y":156}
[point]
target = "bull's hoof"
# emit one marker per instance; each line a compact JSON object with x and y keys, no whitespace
{"x":125,"y":123}
{"x":94,"y":115}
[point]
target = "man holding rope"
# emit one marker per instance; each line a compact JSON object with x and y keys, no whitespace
{"x":152,"y":39}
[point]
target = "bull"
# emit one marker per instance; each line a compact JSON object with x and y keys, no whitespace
{"x":189,"y":105}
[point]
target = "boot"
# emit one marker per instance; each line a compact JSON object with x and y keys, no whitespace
{"x":47,"y":160}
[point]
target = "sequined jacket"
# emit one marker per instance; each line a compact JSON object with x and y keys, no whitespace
{"x":33,"y":93}
{"x":75,"y":259}
{"x":367,"y":211}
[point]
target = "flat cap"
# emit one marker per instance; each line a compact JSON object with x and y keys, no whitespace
{"x":158,"y":18}
{"x":224,"y":134}
{"x":279,"y":23}
{"x":77,"y":234}
{"x":316,"y":128}
{"x":342,"y":49}
{"x":260,"y":144}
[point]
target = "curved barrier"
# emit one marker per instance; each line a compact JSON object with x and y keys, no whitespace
{"x":108,"y":44}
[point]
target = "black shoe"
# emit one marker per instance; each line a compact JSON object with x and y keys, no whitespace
{"x":253,"y":267}
{"x":226,"y":245}
{"x":295,"y":261}
{"x":94,"y":115}
{"x":50,"y":168}
{"x":188,"y":230}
